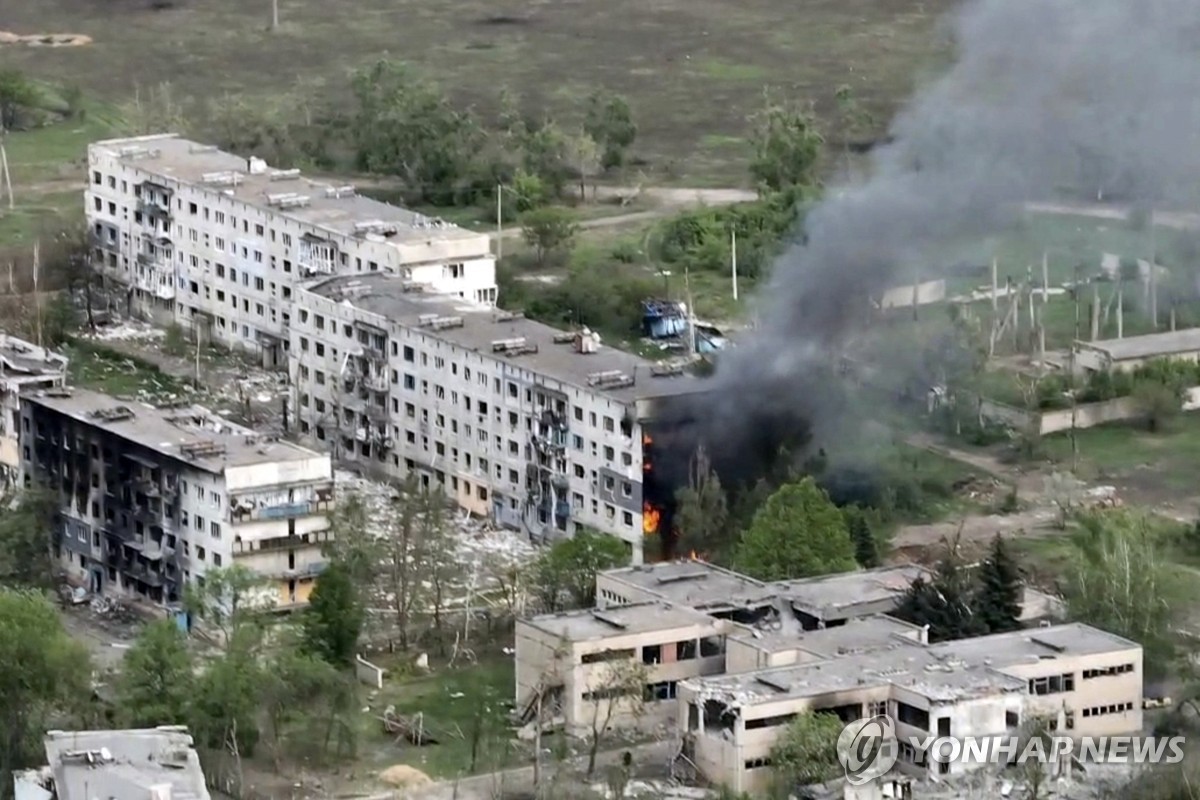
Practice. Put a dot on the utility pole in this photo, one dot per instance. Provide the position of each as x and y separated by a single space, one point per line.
37 297
499 221
196 364
687 288
274 15
1074 388
1153 274
7 174
733 253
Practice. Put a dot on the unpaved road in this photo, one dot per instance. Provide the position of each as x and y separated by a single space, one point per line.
1167 219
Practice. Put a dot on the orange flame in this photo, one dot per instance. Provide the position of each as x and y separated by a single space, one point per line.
646 439
691 555
651 516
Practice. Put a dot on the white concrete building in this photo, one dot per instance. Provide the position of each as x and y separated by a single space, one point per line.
152 498
535 427
217 243
23 366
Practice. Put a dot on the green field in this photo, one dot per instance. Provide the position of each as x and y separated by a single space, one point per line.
693 71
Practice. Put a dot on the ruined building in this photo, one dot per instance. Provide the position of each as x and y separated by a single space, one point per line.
23 366
729 661
152 498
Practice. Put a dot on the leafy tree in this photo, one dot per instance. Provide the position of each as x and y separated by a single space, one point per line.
305 701
797 533
548 155
548 230
233 600
866 549
529 191
584 156
334 617
351 544
227 698
807 752
153 111
438 558
27 523
1120 582
610 124
1158 402
702 514
787 146
619 691
18 94
565 573
1000 589
42 671
854 120
945 603
405 127
157 677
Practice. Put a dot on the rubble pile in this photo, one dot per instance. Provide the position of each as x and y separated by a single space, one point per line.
126 330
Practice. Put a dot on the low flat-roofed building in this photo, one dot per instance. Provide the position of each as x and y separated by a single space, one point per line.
1131 352
152 498
749 649
150 764
1081 678
695 584
568 658
23 367
830 600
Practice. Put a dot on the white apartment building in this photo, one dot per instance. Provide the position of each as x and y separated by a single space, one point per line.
535 427
23 367
217 243
152 498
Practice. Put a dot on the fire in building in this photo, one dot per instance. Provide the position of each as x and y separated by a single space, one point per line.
151 499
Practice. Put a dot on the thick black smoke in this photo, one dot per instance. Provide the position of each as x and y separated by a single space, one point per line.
1092 96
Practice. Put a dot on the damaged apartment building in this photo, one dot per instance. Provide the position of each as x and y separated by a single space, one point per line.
218 243
150 499
24 366
730 660
538 428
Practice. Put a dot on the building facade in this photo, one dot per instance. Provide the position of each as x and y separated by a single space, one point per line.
23 367
538 428
217 243
151 498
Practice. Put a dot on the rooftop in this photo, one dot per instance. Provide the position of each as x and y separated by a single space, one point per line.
91 764
696 584
19 358
856 636
485 329
1148 345
944 672
829 595
191 434
332 207
618 620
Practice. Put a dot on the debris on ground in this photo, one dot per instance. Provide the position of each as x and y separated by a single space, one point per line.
125 330
403 776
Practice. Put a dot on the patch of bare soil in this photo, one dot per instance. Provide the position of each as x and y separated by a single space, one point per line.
44 39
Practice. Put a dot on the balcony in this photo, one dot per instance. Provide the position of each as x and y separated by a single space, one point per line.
153 209
282 511
375 382
374 355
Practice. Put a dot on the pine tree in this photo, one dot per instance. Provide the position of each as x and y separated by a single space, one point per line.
1000 590
866 549
945 603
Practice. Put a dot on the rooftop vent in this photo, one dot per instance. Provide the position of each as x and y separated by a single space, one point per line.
226 178
284 175
683 576
296 201
586 341
377 226
509 316
202 148
442 323
567 337
501 345
666 369
204 449
114 414
340 191
609 379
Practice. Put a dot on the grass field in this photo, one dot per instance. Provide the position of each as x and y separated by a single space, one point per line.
692 69
1167 462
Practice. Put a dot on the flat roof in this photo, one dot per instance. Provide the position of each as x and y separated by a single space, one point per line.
19 357
174 432
856 636
384 294
177 159
612 621
1147 345
696 584
124 763
944 672
830 594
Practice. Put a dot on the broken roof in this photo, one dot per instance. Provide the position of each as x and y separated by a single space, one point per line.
1147 345
19 358
331 207
191 434
856 636
945 672
832 596
696 584
482 327
124 763
612 621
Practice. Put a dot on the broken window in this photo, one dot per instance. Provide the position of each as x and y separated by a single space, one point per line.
607 655
911 715
718 716
652 654
657 692
711 646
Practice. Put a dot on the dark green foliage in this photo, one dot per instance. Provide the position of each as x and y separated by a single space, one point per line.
798 532
806 753
26 534
550 231
610 123
702 513
586 297
334 617
787 146
1000 590
18 95
700 239
156 681
944 603
866 549
564 575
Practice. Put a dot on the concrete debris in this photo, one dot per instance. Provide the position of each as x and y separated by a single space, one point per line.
658 790
126 330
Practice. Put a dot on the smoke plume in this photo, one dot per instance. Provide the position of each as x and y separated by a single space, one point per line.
1090 96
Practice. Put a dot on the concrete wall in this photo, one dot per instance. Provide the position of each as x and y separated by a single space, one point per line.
902 296
1095 692
367 673
1086 415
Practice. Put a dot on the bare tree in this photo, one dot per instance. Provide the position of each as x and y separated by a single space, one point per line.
436 559
619 691
1066 492
400 555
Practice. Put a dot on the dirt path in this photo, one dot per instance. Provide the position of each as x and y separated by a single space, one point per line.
1167 219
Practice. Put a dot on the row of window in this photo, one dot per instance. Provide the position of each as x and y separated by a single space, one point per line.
1053 684
1119 669
1099 711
